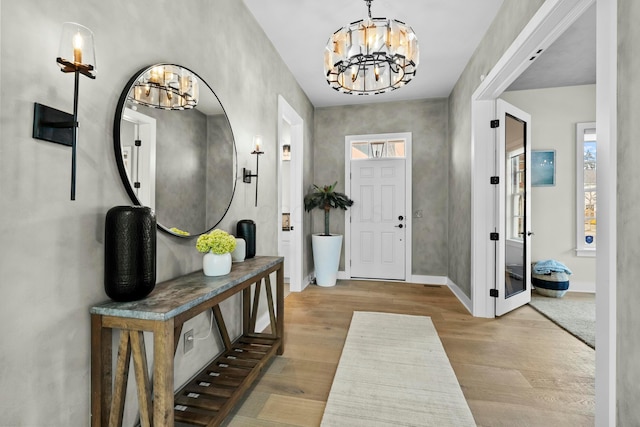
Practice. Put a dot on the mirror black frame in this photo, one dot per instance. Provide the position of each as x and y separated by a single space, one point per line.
117 145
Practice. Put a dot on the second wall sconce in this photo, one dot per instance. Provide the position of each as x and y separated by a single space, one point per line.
76 55
246 173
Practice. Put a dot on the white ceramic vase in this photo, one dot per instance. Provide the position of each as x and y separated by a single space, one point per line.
326 258
240 251
216 265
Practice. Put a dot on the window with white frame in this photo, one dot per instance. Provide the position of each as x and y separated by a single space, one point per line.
375 149
586 194
516 169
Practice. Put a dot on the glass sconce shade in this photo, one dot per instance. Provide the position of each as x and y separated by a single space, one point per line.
257 144
168 87
77 50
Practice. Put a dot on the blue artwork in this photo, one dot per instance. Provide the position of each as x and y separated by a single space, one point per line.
543 168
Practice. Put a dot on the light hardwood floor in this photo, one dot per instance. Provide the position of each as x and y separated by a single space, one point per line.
518 370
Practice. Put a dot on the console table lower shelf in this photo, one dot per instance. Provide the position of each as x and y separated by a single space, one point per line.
217 388
211 395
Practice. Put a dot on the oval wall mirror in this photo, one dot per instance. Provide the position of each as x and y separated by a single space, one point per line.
174 149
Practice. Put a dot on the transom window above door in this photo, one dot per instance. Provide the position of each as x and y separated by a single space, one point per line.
377 149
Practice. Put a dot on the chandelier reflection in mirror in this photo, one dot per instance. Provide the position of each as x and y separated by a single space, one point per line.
167 87
371 56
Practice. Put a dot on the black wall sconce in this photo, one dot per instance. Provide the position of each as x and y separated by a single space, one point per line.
246 173
76 55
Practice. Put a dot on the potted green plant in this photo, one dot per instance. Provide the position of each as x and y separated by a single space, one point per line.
216 247
326 246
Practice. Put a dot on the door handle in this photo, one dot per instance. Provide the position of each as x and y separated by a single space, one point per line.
399 226
400 217
291 228
530 233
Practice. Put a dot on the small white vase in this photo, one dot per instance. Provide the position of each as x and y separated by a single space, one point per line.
216 265
240 251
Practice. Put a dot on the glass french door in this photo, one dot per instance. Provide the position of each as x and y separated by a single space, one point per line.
513 270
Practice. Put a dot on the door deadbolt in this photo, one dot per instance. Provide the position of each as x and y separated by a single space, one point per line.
400 217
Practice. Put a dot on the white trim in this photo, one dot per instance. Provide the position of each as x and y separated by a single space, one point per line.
586 287
606 123
464 299
588 253
407 136
262 322
296 236
146 164
429 280
483 220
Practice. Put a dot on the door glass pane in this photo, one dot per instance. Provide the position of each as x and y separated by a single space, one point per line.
395 148
360 150
515 247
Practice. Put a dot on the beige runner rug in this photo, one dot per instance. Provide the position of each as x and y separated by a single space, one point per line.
394 372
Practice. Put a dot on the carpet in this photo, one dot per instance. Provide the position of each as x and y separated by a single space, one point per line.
576 316
393 371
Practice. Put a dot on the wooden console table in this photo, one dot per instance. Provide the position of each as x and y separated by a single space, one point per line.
210 396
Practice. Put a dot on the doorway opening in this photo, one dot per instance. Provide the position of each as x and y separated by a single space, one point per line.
290 198
553 17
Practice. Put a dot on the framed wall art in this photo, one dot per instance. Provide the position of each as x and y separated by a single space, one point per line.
543 168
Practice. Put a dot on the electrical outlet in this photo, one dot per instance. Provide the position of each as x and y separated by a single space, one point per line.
188 341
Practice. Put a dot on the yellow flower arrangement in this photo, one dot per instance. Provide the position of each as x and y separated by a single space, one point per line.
218 241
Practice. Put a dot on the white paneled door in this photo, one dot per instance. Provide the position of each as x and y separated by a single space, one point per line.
378 219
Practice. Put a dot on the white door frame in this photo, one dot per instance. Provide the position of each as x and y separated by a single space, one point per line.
408 200
146 157
553 17
286 113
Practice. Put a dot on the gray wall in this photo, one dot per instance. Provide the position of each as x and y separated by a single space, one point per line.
427 121
51 255
628 212
510 20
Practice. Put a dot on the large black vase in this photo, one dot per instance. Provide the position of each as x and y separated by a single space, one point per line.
246 229
130 252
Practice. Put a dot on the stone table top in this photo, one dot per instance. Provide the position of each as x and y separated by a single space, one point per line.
175 296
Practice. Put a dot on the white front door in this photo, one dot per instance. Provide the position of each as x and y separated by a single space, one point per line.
513 269
378 219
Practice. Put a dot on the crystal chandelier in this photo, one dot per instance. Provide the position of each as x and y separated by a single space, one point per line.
167 87
373 55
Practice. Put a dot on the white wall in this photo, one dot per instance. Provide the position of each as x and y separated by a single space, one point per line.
554 114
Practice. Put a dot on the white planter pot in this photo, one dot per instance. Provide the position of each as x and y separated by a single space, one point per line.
326 258
216 265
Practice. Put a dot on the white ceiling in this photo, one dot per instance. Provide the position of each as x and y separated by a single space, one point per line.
448 33
569 61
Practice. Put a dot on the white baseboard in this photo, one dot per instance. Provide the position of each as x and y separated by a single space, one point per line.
428 280
421 280
588 287
464 299
262 322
